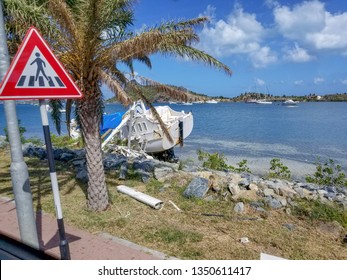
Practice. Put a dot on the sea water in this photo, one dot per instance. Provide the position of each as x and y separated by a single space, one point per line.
302 134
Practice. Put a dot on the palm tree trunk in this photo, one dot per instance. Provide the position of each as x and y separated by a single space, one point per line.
89 113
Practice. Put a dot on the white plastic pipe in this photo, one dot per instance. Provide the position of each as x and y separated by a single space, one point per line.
144 198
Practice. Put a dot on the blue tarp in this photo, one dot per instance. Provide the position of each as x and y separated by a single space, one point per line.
110 121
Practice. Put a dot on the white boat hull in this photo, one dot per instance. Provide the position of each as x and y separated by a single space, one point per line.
147 132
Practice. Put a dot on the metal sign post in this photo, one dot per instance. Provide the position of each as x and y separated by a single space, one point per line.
63 245
19 169
36 73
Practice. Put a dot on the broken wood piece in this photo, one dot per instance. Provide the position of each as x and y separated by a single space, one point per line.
176 207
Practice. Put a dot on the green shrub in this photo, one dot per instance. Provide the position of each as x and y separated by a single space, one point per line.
214 161
242 167
316 210
21 133
65 141
328 173
278 169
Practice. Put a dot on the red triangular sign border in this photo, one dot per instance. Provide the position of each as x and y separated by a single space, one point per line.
8 89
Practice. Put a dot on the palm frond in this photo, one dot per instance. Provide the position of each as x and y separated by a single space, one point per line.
154 112
68 110
56 106
173 92
65 20
115 87
194 54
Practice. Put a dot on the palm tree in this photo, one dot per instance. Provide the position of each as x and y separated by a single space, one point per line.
91 38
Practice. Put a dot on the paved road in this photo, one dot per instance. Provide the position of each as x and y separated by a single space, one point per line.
83 245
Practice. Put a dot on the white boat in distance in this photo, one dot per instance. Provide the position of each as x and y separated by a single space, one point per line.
146 130
290 102
212 101
263 101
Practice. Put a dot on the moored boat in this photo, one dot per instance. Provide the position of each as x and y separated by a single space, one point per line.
263 101
290 102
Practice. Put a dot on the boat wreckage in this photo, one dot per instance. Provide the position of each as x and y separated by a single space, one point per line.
146 132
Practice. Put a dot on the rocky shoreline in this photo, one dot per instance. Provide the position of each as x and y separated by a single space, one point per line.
260 193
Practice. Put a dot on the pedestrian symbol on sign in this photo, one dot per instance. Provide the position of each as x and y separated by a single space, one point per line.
38 73
40 64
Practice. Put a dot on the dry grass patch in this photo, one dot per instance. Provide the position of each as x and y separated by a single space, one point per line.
187 234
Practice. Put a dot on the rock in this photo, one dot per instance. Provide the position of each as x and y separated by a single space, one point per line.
283 201
311 187
145 165
234 189
210 198
303 193
273 203
289 226
275 186
57 153
29 150
268 192
247 195
123 171
255 204
239 207
145 176
66 157
79 162
198 187
244 183
114 161
161 172
287 192
253 187
82 175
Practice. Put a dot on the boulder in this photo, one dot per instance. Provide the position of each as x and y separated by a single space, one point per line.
273 203
162 171
234 189
239 207
198 187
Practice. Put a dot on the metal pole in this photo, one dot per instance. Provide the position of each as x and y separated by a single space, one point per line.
63 245
19 169
130 127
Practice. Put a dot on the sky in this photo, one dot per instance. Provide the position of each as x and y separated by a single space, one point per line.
283 47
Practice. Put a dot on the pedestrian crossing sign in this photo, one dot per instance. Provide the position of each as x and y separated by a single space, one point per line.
36 73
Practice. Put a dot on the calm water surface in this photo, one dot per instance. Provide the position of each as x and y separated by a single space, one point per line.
302 133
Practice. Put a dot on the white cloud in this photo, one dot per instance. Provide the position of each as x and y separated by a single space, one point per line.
262 57
298 54
344 81
239 33
310 24
299 82
318 80
259 82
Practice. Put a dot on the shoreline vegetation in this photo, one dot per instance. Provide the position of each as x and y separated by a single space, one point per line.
157 97
219 205
244 97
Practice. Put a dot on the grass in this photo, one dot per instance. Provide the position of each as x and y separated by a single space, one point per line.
187 234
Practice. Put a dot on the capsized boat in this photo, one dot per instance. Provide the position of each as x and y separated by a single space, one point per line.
140 125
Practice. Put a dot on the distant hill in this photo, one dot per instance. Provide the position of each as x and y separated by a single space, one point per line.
156 96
